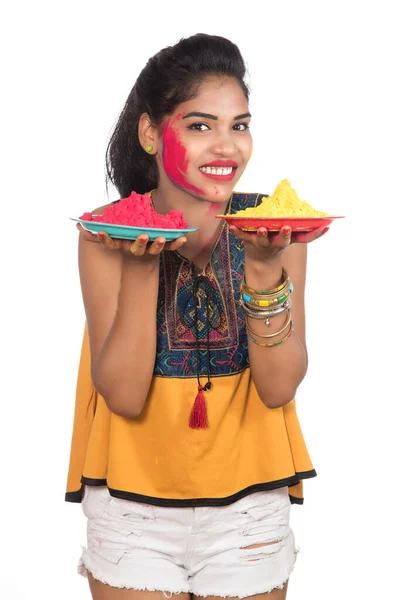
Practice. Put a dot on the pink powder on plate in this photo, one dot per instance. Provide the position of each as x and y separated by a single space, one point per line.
137 211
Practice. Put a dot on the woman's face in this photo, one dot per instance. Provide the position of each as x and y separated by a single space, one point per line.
206 142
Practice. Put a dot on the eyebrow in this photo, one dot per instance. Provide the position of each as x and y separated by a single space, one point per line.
213 117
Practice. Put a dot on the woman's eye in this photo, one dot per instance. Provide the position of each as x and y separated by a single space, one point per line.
241 126
198 127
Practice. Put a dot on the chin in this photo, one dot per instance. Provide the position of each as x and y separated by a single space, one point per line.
218 194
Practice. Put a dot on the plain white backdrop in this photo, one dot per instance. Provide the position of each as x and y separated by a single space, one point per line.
325 100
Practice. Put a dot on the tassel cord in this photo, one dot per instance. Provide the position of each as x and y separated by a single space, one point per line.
197 280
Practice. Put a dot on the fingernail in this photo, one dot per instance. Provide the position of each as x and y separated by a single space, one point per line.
286 230
184 240
143 238
102 236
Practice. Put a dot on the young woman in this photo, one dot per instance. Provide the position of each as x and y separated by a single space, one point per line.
186 449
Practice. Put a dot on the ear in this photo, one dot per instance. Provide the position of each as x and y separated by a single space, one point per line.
148 134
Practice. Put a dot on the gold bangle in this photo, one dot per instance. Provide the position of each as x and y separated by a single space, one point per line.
265 299
271 294
287 336
284 281
270 335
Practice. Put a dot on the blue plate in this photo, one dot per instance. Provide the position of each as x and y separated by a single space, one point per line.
126 232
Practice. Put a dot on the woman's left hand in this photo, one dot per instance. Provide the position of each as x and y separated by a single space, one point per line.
262 244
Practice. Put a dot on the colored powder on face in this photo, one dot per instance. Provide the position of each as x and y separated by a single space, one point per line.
137 211
174 156
284 202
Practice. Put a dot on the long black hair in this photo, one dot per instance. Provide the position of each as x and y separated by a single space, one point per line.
170 77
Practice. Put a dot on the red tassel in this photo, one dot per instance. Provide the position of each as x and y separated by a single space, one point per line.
198 417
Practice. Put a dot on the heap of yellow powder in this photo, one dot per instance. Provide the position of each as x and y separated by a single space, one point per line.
284 202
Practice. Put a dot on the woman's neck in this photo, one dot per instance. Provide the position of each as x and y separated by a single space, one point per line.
198 213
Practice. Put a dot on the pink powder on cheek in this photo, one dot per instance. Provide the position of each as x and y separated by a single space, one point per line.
174 156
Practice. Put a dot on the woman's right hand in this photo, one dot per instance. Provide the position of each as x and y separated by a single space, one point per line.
138 247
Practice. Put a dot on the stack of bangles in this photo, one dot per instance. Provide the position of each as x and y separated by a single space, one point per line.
265 304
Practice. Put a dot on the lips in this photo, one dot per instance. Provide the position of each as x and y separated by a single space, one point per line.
220 170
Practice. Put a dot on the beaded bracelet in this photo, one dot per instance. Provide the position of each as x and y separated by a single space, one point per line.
287 324
287 336
273 302
264 299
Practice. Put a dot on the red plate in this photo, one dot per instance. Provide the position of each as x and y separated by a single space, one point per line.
276 223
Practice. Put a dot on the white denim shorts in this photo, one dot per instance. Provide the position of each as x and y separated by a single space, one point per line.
202 551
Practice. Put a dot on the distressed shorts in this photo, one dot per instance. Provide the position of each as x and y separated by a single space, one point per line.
202 551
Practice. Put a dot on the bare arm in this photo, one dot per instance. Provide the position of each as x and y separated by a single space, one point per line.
277 372
120 298
119 280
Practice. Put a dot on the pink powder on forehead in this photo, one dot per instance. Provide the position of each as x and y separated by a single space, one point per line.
137 211
174 155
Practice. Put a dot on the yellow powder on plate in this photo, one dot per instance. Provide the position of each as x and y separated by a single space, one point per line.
284 202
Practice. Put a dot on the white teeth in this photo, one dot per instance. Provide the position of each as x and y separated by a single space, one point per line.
217 170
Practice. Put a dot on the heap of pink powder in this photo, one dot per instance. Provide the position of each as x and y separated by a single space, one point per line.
137 211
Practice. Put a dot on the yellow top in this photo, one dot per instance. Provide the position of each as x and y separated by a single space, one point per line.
158 458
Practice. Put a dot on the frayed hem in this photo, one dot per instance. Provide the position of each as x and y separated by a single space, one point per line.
246 594
84 570
253 592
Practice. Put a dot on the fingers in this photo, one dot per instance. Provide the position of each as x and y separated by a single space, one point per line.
139 246
109 242
309 236
142 244
263 237
101 237
245 236
176 244
283 238
157 246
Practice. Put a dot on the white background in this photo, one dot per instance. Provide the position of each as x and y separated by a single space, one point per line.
325 100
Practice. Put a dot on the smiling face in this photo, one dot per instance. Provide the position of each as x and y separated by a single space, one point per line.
206 142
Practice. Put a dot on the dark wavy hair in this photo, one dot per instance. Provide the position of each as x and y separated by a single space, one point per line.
170 77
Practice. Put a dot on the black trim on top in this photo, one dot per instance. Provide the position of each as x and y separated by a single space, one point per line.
78 495
90 481
294 500
170 502
74 496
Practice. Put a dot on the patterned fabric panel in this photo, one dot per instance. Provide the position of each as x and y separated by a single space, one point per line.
220 346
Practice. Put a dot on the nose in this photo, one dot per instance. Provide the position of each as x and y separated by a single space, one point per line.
224 144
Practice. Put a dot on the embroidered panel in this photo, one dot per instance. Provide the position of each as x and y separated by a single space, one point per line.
200 324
